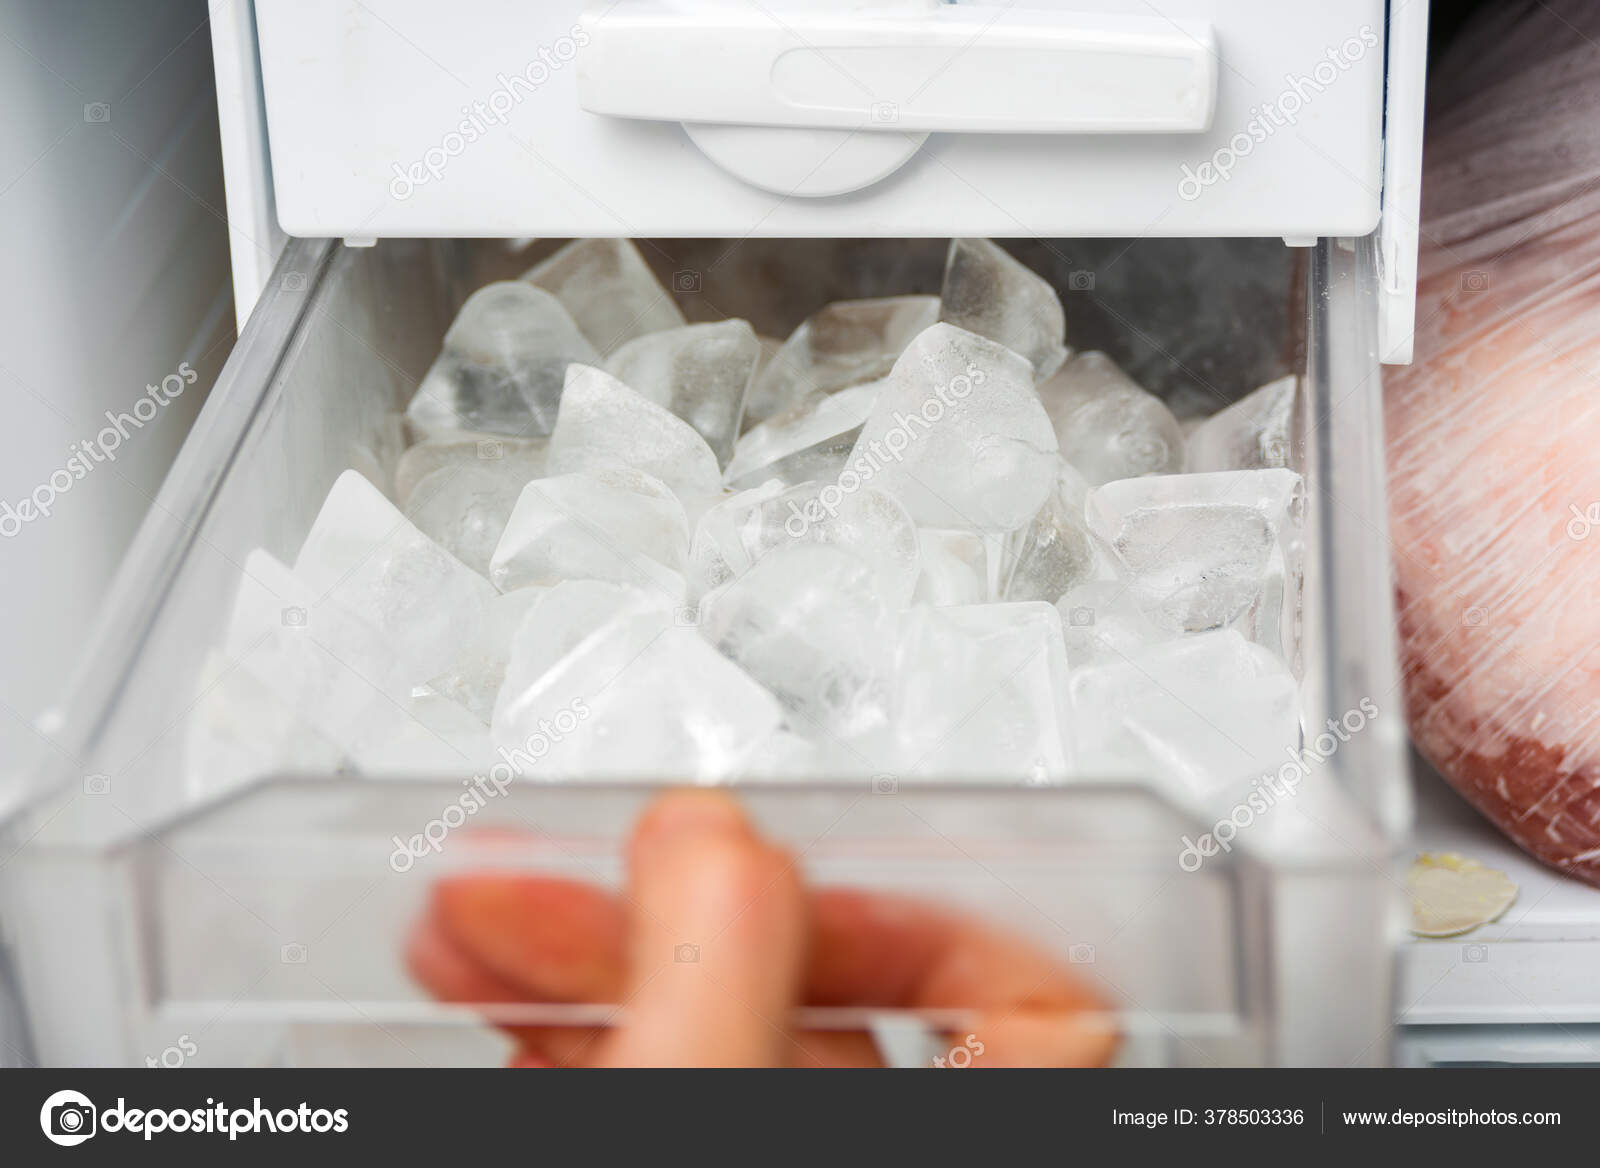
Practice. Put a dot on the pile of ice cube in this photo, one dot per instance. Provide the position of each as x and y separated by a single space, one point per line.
920 538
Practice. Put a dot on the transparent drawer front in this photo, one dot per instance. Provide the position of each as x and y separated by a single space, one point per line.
265 913
275 925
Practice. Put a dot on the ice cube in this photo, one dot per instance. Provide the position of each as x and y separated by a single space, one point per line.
522 458
1103 623
954 567
846 343
1205 713
241 730
1055 552
436 738
700 372
867 522
784 755
983 693
563 617
327 665
724 535
1255 432
365 555
989 293
605 424
1109 428
464 510
502 366
640 700
338 676
770 348
609 290
809 622
607 524
587 626
811 441
958 435
1270 621
1197 547
1218 658
474 680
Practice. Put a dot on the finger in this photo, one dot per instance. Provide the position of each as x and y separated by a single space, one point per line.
487 939
553 940
1027 1008
452 975
716 940
834 1048
884 950
1042 1037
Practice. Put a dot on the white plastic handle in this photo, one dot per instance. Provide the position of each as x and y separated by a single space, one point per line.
958 67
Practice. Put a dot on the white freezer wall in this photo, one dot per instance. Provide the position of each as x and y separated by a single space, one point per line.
114 249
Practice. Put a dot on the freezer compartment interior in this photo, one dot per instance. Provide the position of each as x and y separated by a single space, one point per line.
265 912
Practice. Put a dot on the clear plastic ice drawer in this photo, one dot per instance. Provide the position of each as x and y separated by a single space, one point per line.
262 920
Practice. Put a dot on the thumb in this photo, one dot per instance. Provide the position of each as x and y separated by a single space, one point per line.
716 940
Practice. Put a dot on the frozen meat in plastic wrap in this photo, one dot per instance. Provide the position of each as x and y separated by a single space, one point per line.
1494 432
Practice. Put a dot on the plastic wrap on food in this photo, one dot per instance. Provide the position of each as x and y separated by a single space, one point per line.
1494 432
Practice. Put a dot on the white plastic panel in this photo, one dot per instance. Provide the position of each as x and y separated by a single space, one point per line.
1533 970
1402 181
966 67
254 238
414 118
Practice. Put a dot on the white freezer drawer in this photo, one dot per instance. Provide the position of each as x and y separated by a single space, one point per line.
1203 117
268 924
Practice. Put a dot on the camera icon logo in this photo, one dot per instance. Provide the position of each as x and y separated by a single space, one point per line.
97 784
97 112
1080 281
1081 617
686 954
884 112
1474 954
294 617
1474 281
1080 954
686 281
490 450
885 784
686 615
292 954
1475 616
68 1118
294 281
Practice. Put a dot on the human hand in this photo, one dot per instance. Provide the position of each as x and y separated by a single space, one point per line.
699 875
